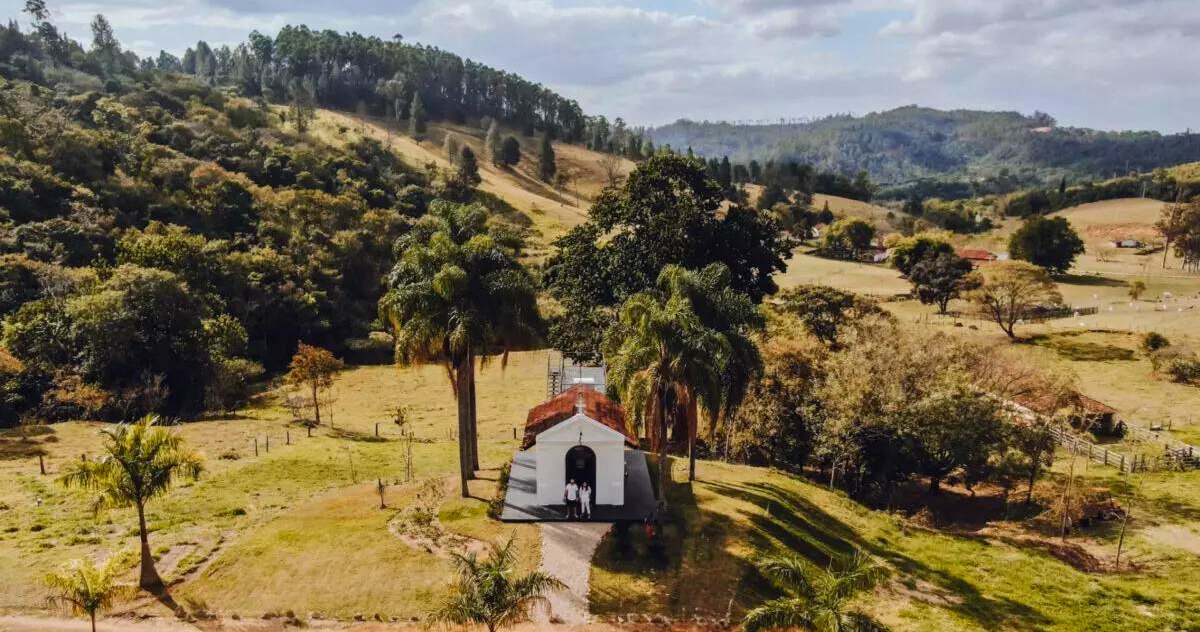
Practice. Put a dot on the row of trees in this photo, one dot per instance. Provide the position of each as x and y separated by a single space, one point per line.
386 78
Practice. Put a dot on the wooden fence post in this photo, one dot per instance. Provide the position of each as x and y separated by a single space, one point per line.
268 437
255 446
287 436
41 465
377 429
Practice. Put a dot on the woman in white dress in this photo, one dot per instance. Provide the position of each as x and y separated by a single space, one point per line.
585 500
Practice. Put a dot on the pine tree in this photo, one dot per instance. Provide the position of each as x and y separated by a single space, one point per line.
416 117
510 151
546 166
491 144
468 167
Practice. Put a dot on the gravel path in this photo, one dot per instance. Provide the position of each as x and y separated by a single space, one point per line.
567 549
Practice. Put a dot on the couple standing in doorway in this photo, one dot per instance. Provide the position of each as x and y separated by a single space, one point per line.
578 499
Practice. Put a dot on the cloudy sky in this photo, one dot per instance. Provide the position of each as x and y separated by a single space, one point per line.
1112 64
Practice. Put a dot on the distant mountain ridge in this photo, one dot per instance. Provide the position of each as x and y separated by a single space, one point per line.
912 142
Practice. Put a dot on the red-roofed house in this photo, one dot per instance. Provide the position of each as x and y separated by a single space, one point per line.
977 256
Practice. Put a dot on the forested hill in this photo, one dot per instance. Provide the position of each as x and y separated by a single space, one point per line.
356 72
912 142
164 241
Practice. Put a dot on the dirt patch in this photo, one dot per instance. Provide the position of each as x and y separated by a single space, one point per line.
1175 535
441 544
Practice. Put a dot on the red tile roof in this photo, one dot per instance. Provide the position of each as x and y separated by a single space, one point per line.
562 407
976 254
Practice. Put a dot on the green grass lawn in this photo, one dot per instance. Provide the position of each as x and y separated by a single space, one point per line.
979 580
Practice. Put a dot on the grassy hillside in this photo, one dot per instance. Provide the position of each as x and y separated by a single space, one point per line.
291 529
550 211
966 575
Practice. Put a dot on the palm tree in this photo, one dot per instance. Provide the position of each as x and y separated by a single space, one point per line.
487 591
816 600
141 462
86 589
734 317
459 292
660 355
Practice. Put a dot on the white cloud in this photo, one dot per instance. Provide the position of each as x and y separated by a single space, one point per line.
1107 63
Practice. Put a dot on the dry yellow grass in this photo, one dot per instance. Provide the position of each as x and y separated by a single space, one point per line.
242 507
864 278
552 211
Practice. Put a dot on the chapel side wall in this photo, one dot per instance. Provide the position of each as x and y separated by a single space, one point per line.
610 475
551 471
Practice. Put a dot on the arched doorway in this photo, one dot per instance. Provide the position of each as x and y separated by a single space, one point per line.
581 466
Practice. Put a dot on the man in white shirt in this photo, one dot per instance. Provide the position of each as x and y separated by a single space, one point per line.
571 495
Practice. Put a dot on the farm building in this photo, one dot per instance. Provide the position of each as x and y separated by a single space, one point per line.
578 435
977 256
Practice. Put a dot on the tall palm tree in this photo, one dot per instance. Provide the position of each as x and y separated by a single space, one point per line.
140 463
487 591
660 354
817 600
735 318
459 292
86 589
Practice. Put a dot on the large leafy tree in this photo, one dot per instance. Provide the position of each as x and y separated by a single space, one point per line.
1012 291
660 356
814 599
939 279
910 251
1049 242
457 293
141 462
1180 227
825 311
668 211
490 592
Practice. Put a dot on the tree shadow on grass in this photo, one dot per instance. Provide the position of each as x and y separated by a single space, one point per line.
1089 279
354 435
26 443
802 527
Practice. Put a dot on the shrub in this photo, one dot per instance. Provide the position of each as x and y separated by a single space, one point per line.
1153 341
496 504
1179 364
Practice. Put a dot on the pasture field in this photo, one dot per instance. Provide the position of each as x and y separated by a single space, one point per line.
287 529
1100 349
300 528
981 573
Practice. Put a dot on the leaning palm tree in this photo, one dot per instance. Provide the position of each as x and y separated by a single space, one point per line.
816 600
140 463
459 292
660 354
488 592
86 589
